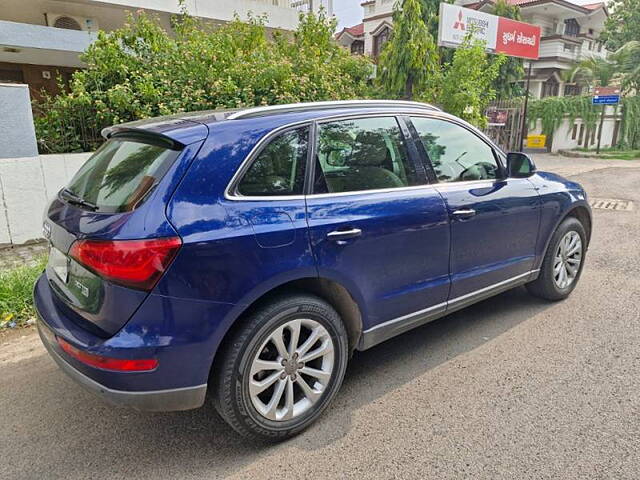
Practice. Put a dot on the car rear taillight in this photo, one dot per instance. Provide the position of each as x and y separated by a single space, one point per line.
132 263
107 363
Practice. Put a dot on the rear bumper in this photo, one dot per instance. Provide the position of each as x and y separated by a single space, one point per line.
169 387
155 401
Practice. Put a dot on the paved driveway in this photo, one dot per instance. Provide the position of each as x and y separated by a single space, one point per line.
511 388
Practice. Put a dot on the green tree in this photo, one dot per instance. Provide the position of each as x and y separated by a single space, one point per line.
511 70
623 23
628 60
141 71
431 17
409 64
467 86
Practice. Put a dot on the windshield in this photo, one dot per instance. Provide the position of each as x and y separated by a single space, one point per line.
119 176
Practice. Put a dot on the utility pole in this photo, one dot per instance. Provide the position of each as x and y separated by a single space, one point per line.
604 108
523 124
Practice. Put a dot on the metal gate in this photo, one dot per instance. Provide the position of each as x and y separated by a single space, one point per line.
505 122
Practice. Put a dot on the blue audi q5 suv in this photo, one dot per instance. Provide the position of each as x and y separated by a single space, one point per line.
246 254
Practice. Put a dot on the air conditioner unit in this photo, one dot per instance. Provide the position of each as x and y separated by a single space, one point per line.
71 22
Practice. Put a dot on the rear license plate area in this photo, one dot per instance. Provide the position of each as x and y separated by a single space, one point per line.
59 263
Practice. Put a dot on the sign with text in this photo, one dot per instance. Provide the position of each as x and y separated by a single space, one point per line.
605 100
502 35
597 91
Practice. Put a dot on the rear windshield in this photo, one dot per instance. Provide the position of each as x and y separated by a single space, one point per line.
119 175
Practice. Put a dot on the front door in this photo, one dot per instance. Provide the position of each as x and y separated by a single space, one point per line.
494 220
375 225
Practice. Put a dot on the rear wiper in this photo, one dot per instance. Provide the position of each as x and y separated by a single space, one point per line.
74 199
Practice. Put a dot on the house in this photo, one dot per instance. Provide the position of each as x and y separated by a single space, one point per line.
369 36
41 40
569 34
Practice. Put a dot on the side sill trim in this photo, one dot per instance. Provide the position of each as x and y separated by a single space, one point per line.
396 326
185 398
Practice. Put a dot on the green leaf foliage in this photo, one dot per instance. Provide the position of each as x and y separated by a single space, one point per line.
467 85
141 71
623 23
409 65
553 110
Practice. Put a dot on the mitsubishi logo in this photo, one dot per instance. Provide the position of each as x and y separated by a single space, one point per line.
459 25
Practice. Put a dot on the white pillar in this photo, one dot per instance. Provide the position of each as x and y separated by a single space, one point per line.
17 134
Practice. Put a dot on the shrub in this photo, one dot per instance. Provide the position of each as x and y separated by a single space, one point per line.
141 71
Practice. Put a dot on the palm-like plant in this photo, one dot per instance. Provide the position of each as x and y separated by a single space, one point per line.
628 60
595 71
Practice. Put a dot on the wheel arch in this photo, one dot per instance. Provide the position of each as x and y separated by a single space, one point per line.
329 290
582 212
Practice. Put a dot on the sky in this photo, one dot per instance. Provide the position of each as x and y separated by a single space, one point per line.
348 12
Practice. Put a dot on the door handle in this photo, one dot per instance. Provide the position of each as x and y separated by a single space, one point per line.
464 212
344 234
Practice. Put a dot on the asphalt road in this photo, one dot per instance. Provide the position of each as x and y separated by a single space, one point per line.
511 388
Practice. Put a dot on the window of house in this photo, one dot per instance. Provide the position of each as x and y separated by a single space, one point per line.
550 88
379 40
279 167
574 131
357 47
572 90
362 154
569 47
455 153
11 76
571 27
581 136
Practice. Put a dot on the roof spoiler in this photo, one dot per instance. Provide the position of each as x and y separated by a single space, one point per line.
143 135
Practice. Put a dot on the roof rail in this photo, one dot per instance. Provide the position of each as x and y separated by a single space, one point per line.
292 107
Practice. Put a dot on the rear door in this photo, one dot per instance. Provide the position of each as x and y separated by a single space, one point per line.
375 224
494 220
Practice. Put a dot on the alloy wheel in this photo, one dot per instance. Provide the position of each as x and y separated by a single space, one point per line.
566 263
291 370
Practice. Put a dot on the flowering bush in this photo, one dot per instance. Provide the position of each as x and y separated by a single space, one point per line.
141 71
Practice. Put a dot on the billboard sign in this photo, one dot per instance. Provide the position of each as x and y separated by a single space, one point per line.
502 35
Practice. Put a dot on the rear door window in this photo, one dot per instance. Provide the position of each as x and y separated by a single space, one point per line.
362 154
120 175
279 168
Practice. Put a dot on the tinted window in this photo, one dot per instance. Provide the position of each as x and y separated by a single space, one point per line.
279 168
120 174
362 154
455 153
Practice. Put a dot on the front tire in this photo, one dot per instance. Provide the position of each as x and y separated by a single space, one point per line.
282 368
562 264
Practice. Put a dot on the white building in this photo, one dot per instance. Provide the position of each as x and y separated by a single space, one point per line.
569 34
42 39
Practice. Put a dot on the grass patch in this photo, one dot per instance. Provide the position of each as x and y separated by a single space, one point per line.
612 153
16 288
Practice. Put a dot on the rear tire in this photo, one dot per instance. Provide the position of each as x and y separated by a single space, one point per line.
562 264
297 346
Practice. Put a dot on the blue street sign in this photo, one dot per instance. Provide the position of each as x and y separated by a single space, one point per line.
606 100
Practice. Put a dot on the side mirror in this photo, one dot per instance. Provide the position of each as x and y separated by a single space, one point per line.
519 165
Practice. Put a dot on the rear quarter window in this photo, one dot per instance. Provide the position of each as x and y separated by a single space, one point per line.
120 175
